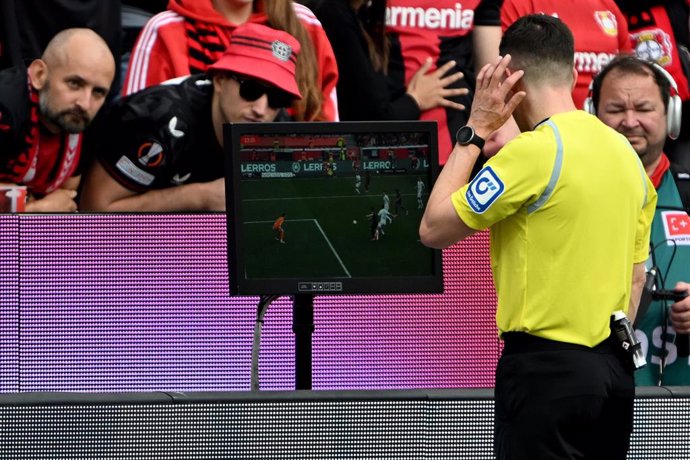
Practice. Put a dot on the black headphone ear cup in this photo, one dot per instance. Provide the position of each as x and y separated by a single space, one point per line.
674 116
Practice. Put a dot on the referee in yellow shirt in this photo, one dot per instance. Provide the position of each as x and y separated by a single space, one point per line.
570 207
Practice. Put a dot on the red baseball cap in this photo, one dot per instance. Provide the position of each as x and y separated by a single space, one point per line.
262 53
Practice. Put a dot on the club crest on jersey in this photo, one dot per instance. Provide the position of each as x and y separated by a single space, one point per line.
653 45
483 190
607 22
150 154
676 228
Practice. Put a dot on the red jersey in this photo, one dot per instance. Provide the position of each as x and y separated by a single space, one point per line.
598 26
440 29
191 35
57 161
653 38
29 155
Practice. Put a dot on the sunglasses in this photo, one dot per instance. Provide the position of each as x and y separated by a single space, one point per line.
251 90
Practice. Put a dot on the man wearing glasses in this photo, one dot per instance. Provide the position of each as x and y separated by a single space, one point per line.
162 149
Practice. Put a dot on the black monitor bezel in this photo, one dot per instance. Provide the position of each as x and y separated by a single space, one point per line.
239 285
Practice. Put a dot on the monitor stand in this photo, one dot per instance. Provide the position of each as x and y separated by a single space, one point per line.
303 327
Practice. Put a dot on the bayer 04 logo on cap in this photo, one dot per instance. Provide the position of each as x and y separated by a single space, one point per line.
281 50
484 189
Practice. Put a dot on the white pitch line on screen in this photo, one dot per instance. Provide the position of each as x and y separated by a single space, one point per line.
335 253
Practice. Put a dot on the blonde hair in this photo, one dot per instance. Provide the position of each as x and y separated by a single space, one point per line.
281 15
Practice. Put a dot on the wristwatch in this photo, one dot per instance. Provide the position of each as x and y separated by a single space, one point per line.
467 136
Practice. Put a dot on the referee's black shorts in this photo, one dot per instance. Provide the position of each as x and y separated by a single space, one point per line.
557 400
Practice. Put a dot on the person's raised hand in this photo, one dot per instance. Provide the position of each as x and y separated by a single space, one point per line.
494 98
431 89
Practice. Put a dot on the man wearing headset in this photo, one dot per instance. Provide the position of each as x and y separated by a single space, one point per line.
639 100
162 149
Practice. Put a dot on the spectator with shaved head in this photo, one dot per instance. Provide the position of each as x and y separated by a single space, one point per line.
43 112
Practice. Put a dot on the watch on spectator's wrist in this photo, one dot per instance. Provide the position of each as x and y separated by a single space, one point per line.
467 136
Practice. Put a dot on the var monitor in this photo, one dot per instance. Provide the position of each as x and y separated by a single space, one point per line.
330 207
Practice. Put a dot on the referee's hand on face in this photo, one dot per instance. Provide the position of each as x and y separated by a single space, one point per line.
494 98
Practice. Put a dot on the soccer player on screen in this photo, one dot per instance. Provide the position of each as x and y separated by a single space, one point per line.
374 219
278 231
385 217
420 191
358 180
398 203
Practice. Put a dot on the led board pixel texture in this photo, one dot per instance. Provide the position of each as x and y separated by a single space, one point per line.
396 425
141 303
9 301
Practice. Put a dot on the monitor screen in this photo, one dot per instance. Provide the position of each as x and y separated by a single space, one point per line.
330 207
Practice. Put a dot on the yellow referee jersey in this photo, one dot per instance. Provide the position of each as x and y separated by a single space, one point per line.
570 208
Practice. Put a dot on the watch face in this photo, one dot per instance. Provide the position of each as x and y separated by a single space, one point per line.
465 134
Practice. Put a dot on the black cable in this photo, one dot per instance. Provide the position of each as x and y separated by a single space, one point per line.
662 278
664 311
662 284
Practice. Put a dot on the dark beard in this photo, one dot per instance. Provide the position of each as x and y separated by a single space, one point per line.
72 121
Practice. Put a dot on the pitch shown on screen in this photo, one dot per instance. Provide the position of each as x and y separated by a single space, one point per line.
329 208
